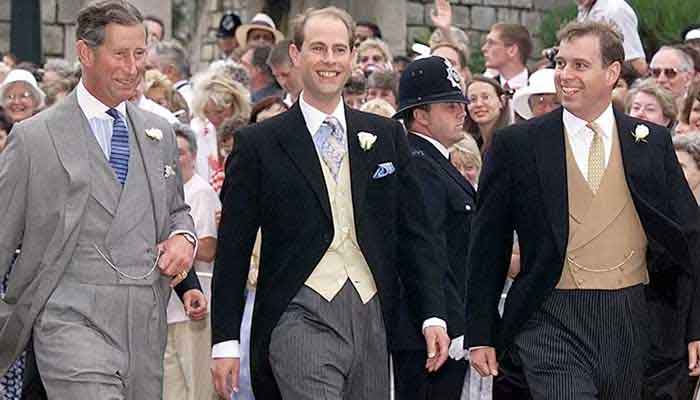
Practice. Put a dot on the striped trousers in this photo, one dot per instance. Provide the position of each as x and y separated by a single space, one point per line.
586 345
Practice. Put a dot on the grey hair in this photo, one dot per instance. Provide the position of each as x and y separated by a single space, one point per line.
61 66
687 63
174 53
663 96
184 131
690 143
94 17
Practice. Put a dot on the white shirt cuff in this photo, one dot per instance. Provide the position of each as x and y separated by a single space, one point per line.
434 322
196 240
228 349
478 347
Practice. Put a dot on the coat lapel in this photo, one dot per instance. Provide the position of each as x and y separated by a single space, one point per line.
444 163
295 139
152 156
69 136
635 155
360 160
550 158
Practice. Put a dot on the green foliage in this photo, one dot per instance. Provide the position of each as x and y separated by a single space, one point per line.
476 61
661 21
553 21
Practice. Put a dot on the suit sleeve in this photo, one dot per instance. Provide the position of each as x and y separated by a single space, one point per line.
15 168
490 246
421 265
686 213
239 224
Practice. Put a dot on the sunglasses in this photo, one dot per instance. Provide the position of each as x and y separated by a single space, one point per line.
669 72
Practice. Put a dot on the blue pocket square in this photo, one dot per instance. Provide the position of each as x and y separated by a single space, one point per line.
383 170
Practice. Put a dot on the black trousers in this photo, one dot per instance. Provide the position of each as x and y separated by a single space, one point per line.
413 382
586 345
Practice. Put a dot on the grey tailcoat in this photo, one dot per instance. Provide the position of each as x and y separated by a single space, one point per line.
44 187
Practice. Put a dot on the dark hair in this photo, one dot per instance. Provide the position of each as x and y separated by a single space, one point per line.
229 128
264 104
408 117
515 34
356 84
5 122
687 106
280 53
376 32
609 38
382 79
93 18
334 12
629 74
470 126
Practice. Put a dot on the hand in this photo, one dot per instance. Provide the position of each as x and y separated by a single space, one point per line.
484 361
176 256
441 15
195 304
224 372
438 344
694 358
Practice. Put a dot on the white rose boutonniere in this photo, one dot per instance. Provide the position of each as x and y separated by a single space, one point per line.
640 133
169 171
154 133
366 140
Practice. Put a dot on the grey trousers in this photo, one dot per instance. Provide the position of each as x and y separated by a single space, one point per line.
101 342
331 350
586 345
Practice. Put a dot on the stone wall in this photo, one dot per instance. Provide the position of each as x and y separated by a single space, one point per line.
58 23
477 16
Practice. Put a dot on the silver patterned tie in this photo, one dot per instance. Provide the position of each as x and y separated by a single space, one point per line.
330 143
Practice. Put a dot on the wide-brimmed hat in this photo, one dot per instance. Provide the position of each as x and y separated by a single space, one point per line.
22 75
541 82
260 21
426 81
227 26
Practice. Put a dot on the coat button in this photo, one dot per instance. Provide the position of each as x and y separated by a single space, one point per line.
468 207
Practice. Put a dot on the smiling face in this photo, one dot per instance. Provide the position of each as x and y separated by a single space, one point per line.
113 70
484 105
583 83
324 60
647 107
19 102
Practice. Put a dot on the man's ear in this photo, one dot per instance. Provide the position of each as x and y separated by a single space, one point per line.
294 54
84 52
612 73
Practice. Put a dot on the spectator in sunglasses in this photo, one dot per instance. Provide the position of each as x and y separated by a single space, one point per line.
673 70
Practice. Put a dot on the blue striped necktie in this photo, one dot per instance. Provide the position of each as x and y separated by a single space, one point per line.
119 154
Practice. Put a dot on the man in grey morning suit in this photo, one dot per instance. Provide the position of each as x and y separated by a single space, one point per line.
91 190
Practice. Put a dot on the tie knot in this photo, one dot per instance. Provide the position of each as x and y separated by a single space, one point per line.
595 128
334 125
112 112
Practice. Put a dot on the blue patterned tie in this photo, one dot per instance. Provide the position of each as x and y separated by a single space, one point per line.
330 142
119 155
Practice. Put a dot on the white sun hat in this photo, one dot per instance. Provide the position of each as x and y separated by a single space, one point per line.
541 82
22 75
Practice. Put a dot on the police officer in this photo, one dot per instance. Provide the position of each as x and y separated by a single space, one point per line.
226 35
432 106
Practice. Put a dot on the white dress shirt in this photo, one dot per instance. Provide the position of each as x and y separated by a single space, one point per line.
516 82
184 87
149 105
96 114
623 17
442 149
580 136
313 118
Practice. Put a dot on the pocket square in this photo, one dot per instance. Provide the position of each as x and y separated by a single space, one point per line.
383 170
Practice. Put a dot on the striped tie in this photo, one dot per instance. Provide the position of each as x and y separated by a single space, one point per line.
596 158
119 155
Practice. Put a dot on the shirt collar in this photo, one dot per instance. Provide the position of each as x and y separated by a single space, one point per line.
605 121
442 149
92 107
315 117
516 82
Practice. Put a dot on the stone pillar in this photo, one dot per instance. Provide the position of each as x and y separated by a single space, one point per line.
159 8
26 37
